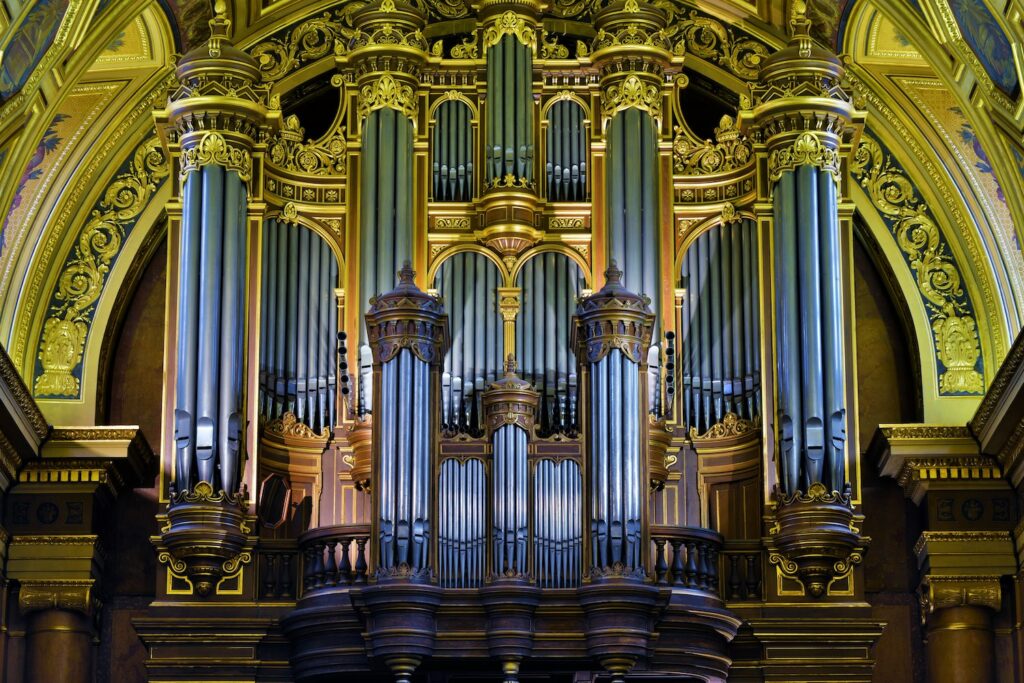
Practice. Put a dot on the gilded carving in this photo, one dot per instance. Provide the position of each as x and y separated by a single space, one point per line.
309 41
68 594
81 282
290 426
807 150
388 34
565 223
709 39
941 592
629 93
630 34
731 426
451 223
469 48
324 157
509 24
387 92
214 149
552 49
729 151
938 280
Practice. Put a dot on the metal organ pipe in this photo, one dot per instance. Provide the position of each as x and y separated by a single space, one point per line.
453 153
617 421
719 326
407 330
188 331
302 318
566 166
509 148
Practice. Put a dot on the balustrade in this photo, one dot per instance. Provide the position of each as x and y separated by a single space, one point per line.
334 556
687 557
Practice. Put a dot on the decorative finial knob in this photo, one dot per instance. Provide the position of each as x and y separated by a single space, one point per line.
613 276
510 364
406 275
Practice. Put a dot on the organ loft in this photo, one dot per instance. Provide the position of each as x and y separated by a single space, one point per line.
540 341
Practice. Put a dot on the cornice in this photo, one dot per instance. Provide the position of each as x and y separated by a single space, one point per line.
999 421
21 422
101 458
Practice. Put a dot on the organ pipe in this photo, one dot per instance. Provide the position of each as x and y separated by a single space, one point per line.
408 335
468 282
550 284
566 165
208 418
298 276
509 149
719 331
809 313
452 154
612 335
385 200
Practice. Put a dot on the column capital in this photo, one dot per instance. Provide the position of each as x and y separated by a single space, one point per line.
518 18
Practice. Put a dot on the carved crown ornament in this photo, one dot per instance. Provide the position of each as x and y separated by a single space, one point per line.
807 150
730 151
388 91
407 318
633 91
510 401
612 318
324 157
732 426
509 23
215 149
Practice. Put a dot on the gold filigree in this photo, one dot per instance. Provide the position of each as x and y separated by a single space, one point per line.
938 280
324 157
309 41
729 151
289 425
630 34
214 149
511 181
451 223
389 34
386 91
509 24
731 426
808 150
449 9
66 594
709 39
469 48
552 49
81 282
565 223
632 92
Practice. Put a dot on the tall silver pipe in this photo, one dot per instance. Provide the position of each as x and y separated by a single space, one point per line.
810 324
229 418
209 322
188 331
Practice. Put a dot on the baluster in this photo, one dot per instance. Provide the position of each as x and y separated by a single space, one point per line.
677 561
309 568
660 565
734 578
332 564
269 565
361 559
712 569
318 576
753 584
286 576
691 565
345 572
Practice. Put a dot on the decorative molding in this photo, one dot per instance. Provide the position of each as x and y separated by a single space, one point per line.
81 282
730 427
954 330
324 157
729 151
631 92
74 595
509 24
288 425
326 35
386 91
808 150
214 149
704 36
941 592
469 48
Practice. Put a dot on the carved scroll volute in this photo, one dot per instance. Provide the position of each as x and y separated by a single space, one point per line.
407 318
612 318
510 401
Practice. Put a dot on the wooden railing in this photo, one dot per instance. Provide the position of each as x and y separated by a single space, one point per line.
334 556
686 557
742 571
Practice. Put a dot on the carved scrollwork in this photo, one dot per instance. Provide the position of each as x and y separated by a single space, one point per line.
729 151
630 34
469 48
289 425
731 426
214 149
323 157
706 37
808 150
550 48
509 24
954 329
311 40
388 34
386 91
85 272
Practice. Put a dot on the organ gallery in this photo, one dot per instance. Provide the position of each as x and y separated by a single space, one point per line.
512 340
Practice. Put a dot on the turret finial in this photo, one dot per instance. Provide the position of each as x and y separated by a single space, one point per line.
613 276
406 275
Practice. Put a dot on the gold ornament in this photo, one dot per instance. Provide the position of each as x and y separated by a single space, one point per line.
808 150
386 91
632 92
730 151
214 149
81 282
509 24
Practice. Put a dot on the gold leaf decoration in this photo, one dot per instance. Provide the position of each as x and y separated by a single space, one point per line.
309 41
807 150
289 425
85 272
729 151
632 92
552 49
214 149
386 91
467 49
731 426
938 280
324 157
706 37
509 24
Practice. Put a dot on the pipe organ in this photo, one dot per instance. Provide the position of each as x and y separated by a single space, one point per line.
522 456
